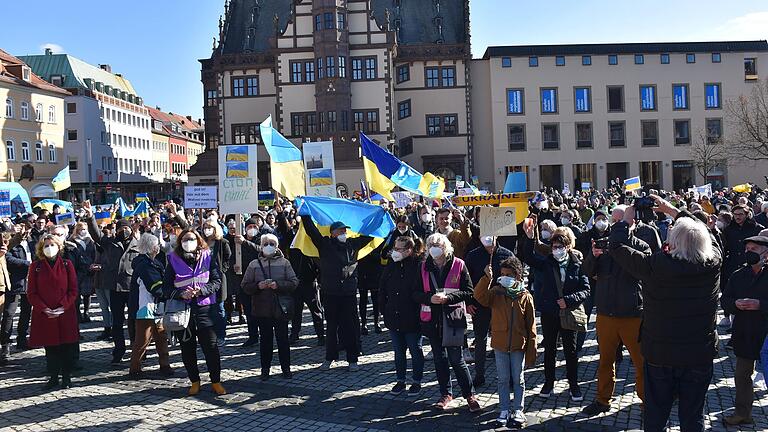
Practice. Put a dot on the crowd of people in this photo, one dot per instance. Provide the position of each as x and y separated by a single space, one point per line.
654 268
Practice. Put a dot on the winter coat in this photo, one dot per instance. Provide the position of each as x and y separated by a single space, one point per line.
146 287
277 268
18 267
679 303
434 328
221 252
53 286
513 321
734 245
125 267
749 327
85 255
398 281
204 316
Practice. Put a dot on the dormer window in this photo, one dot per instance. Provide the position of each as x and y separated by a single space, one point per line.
26 73
57 80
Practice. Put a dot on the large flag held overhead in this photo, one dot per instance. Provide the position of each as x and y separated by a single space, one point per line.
48 204
363 220
384 171
62 180
286 164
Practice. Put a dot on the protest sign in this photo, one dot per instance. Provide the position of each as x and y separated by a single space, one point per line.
200 197
498 221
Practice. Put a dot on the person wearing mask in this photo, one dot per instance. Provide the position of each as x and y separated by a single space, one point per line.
445 286
402 228
741 227
193 275
460 237
399 279
563 286
52 293
745 296
249 247
584 243
423 225
145 297
221 252
567 220
270 281
84 254
619 300
18 259
476 261
338 284
513 334
680 299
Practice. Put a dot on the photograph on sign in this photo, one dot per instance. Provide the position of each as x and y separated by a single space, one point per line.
237 179
498 221
321 174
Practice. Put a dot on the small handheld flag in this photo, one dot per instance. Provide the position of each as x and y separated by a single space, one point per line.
62 180
632 184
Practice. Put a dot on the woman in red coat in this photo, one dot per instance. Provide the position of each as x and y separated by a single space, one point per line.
52 291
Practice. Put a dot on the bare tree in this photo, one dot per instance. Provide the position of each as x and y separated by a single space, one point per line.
748 123
708 151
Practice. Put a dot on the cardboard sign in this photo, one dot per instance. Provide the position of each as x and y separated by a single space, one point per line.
238 181
320 168
201 197
492 199
465 191
501 221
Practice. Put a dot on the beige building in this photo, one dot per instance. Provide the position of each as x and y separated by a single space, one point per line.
31 127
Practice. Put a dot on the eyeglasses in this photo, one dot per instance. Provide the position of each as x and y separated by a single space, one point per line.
403 249
269 244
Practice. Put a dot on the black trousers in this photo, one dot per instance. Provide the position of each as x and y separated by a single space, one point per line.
664 384
550 326
341 313
279 328
481 324
118 303
306 294
59 359
253 328
363 290
12 303
207 337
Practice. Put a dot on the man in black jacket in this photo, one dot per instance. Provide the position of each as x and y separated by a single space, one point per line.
254 229
338 288
741 227
619 301
18 260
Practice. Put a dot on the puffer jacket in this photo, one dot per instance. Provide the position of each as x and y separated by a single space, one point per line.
513 321
277 268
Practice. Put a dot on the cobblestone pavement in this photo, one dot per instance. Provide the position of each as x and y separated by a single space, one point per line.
314 400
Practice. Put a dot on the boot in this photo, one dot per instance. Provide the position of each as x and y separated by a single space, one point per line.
218 389
66 382
52 383
194 389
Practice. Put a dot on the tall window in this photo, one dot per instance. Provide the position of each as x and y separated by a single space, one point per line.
342 20
358 120
616 134
9 108
311 123
403 73
516 137
450 127
448 76
309 71
328 20
582 99
549 101
647 98
330 67
714 131
682 132
211 97
25 152
39 113
318 22
10 150
404 109
370 68
432 77
342 67
680 96
25 111
39 155
331 121
357 69
750 69
434 125
615 99
238 87
297 124
252 85
515 101
247 133
296 71
650 132
712 96
550 136
583 135
372 121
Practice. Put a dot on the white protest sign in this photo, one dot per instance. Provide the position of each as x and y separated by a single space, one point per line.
465 191
320 168
201 197
402 199
238 181
498 221
566 189
586 185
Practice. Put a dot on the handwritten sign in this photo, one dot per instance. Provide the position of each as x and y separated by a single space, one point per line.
402 199
501 221
5 203
238 183
201 197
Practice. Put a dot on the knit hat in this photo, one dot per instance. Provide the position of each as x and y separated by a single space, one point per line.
252 221
123 223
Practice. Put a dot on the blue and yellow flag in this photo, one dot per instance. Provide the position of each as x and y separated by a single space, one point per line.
632 184
237 153
142 197
237 169
48 204
363 220
104 217
62 180
287 166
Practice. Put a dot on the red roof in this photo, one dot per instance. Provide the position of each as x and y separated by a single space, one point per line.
34 80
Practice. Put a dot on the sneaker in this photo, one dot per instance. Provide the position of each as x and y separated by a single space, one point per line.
468 357
519 419
398 388
502 419
353 367
444 402
546 390
576 394
326 365
595 408
414 389
474 405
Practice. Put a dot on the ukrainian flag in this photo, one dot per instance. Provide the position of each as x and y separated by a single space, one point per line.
62 180
65 219
48 204
632 184
142 197
103 217
363 220
322 177
237 169
286 164
237 154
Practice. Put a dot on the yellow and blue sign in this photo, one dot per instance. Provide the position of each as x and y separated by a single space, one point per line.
632 184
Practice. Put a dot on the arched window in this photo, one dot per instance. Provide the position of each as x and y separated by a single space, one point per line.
39 113
25 110
10 150
51 114
51 152
9 108
39 155
25 151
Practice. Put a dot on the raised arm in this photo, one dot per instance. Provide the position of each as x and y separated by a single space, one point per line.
312 231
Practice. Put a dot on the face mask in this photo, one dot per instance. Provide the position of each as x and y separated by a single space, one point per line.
51 251
402 231
559 254
601 225
189 246
208 232
426 218
397 256
213 218
487 241
172 238
82 234
543 205
753 258
545 235
506 281
720 225
269 250
342 238
435 252
565 221
252 232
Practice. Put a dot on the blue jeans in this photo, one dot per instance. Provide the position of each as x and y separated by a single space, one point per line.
220 322
447 358
764 359
510 365
411 341
663 384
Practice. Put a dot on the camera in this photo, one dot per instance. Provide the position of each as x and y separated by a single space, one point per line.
602 243
644 208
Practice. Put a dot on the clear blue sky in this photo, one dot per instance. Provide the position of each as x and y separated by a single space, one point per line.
156 44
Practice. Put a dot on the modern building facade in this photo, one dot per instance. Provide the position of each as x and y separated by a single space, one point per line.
31 128
401 71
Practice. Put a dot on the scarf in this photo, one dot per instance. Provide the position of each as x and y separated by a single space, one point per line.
515 291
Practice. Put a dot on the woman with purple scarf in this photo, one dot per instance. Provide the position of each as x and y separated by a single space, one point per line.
192 276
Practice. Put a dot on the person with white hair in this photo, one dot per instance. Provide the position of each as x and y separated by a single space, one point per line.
681 286
143 300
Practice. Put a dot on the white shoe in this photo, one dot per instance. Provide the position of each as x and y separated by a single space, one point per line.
326 365
725 322
502 419
354 367
519 418
759 381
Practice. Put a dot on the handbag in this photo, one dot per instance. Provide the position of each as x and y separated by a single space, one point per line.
574 319
283 306
176 315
